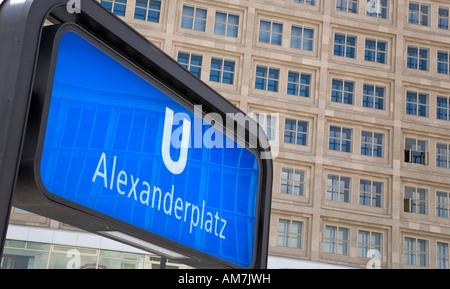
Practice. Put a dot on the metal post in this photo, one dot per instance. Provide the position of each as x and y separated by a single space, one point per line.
15 87
163 262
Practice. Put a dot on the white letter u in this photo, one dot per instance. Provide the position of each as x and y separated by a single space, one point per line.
177 167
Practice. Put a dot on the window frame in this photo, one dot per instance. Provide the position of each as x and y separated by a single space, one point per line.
371 245
349 4
148 9
378 6
415 106
443 64
297 87
340 139
271 32
188 66
289 235
333 243
339 193
417 204
292 182
373 144
373 100
301 38
376 51
271 130
222 71
419 14
339 92
442 206
227 24
416 144
415 252
267 79
113 6
305 2
445 156
416 61
345 50
372 196
194 17
443 110
443 22
442 257
304 134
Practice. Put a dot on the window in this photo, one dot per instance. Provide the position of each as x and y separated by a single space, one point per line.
376 51
442 155
307 2
36 255
374 96
118 7
371 193
299 84
337 240
417 103
290 234
418 58
369 241
416 151
341 139
268 122
222 70
270 32
378 8
345 45
192 62
149 10
419 13
416 252
372 144
443 62
267 78
194 18
293 181
302 38
226 24
347 5
296 132
443 18
339 188
342 91
443 108
442 255
416 200
442 204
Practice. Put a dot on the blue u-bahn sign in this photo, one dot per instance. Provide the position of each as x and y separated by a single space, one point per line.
109 146
124 142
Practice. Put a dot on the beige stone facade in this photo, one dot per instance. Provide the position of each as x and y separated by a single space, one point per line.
350 196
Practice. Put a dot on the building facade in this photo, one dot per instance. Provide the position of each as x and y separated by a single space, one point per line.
355 97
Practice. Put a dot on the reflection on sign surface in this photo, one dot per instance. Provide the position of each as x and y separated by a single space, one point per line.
104 150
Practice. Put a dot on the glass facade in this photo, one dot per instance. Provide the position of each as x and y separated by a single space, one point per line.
33 255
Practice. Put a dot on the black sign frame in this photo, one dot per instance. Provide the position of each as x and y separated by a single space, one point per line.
21 26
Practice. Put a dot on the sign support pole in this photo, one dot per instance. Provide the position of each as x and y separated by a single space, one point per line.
15 87
20 27
163 262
